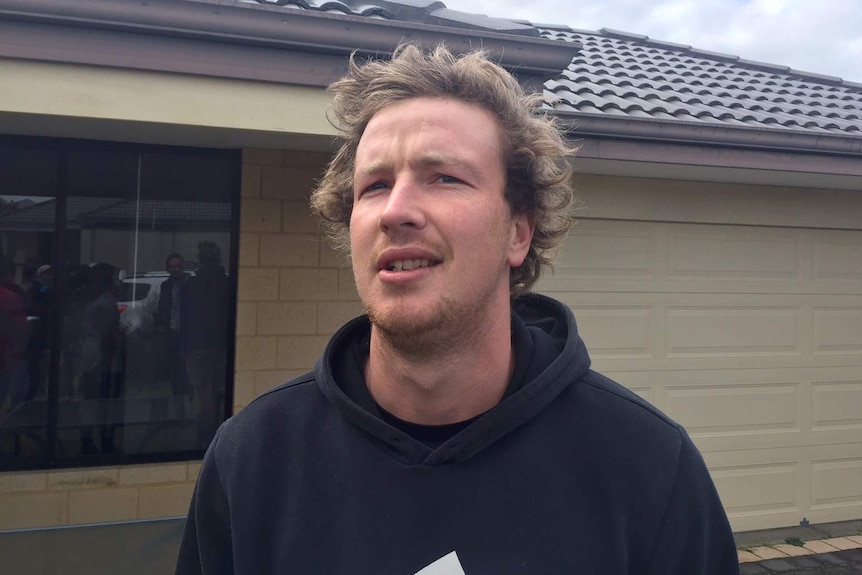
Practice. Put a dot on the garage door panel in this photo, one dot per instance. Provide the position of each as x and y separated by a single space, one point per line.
607 250
733 254
564 281
769 487
622 332
629 367
772 439
836 405
836 483
837 255
607 255
707 330
718 300
754 489
749 409
837 330
732 410
733 332
751 337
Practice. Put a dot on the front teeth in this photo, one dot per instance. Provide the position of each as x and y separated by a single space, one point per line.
408 265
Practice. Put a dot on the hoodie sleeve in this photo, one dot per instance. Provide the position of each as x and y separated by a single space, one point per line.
695 536
206 547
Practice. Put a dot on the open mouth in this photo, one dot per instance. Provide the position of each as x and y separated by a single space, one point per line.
404 265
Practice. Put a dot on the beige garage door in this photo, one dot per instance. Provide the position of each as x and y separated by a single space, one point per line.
751 337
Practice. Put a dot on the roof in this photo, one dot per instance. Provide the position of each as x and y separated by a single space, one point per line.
415 11
606 85
298 42
620 74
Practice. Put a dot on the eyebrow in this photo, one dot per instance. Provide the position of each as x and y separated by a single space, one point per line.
426 160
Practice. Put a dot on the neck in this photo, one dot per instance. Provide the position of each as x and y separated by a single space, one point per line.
447 383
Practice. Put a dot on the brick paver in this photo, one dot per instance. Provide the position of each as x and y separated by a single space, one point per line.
747 556
767 552
820 547
793 550
830 556
842 543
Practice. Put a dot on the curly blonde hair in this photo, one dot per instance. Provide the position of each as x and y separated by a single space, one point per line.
535 151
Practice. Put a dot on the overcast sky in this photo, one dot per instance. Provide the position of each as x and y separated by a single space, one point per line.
822 36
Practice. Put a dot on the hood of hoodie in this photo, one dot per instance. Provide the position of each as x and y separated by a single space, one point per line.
551 324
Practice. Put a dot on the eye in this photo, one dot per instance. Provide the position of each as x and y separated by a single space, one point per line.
447 179
379 185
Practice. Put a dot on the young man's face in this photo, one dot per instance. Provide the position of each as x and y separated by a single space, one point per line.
432 236
175 267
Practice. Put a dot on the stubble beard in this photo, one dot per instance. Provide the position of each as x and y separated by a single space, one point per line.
451 327
416 338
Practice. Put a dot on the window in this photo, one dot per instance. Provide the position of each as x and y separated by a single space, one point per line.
117 300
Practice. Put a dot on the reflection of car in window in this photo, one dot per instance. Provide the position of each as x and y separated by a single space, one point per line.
137 301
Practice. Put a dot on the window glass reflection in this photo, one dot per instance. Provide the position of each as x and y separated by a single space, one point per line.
114 340
27 299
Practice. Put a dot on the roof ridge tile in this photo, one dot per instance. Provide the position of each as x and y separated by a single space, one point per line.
622 35
815 76
665 44
716 55
765 66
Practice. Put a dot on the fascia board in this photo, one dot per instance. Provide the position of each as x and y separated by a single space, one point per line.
303 31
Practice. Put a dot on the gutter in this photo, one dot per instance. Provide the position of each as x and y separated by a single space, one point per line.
681 132
243 25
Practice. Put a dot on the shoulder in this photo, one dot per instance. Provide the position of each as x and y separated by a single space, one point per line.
616 396
288 395
619 423
272 430
281 407
654 471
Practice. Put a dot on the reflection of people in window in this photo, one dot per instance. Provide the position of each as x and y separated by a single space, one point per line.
39 301
98 346
13 336
168 320
204 338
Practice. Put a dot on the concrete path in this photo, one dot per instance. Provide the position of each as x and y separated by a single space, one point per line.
825 549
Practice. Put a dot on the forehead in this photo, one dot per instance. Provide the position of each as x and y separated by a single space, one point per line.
431 120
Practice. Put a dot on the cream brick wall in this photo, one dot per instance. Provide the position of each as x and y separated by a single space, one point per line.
95 495
294 291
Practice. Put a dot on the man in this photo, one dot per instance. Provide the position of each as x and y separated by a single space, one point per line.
99 353
167 319
39 304
457 427
204 340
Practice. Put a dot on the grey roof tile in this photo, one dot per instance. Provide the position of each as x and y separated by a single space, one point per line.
623 74
692 85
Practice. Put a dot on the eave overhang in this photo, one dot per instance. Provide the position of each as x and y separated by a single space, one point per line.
679 132
232 39
661 148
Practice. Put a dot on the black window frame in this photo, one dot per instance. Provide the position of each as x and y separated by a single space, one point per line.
64 147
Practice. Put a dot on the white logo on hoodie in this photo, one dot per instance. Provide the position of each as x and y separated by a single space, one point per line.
446 565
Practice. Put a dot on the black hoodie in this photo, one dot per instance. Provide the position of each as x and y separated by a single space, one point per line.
569 473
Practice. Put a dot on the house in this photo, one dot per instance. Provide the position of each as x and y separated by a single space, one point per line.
715 267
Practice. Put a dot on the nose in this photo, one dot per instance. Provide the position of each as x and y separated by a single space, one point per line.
404 207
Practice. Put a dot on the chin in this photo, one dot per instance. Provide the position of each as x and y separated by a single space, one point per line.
400 322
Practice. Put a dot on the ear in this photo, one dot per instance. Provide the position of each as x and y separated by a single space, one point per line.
523 226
